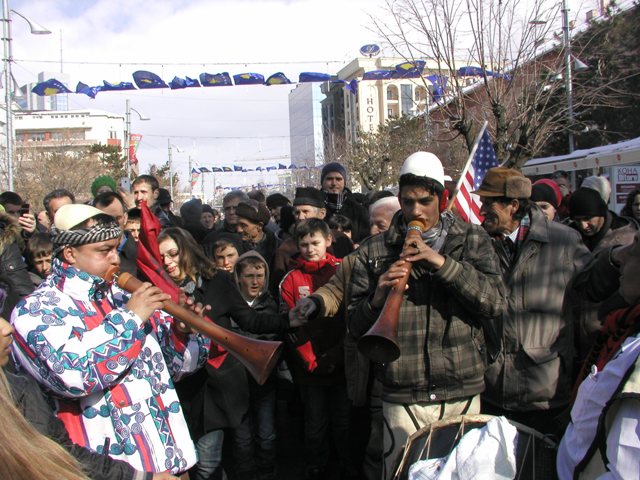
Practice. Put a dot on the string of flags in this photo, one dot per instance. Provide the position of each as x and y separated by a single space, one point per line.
148 80
197 171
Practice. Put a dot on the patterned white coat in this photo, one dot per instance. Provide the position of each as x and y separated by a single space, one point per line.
111 373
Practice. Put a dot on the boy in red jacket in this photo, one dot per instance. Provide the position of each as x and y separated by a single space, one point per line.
317 363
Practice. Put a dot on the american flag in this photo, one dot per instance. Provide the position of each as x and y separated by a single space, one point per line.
468 204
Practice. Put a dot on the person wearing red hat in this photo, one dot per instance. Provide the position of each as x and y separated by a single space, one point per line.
547 195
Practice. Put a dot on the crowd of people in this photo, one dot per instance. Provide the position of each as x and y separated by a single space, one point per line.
532 315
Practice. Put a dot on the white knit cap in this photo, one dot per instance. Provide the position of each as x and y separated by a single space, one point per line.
68 216
424 164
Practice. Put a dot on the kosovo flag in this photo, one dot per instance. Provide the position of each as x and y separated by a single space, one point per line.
216 169
313 77
258 169
439 83
379 75
470 72
352 87
204 170
186 82
277 79
282 167
227 169
410 69
146 79
215 80
248 79
87 90
108 87
237 168
50 87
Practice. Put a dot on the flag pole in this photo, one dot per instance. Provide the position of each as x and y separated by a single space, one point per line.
466 167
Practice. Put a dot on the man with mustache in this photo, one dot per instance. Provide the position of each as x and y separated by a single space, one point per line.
529 381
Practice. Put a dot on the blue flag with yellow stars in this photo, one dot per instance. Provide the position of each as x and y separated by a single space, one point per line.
146 79
50 87
186 82
378 75
277 79
215 79
87 90
248 79
410 69
107 87
313 77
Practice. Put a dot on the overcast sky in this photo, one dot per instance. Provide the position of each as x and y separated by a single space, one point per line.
110 39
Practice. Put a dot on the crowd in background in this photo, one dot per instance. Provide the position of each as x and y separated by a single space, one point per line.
505 319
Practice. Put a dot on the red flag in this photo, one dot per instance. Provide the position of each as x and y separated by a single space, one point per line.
149 261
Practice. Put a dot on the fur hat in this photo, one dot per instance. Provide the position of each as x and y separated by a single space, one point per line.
504 182
333 167
253 211
309 196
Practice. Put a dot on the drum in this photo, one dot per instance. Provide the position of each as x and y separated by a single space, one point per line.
535 452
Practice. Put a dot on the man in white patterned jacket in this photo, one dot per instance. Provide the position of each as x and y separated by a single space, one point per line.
108 358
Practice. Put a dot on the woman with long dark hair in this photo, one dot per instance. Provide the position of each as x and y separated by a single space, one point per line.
216 397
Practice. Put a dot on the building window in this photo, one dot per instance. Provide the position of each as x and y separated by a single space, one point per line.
407 100
392 93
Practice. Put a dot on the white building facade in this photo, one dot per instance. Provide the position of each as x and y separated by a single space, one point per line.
305 125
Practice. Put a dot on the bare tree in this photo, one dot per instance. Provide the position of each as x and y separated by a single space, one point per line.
41 170
514 88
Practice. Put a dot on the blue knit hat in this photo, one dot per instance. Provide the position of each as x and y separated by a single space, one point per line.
333 167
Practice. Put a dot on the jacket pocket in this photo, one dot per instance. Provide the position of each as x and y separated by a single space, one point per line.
540 371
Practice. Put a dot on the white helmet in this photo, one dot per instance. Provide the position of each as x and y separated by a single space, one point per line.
424 164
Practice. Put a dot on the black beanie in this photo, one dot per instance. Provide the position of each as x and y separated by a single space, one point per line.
333 167
277 200
587 203
544 193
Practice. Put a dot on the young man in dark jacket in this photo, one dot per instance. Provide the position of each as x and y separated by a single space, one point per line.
454 291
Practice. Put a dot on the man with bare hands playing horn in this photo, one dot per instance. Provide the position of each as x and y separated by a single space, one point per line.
108 358
453 290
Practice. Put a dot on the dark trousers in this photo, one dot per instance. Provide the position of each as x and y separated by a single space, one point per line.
326 412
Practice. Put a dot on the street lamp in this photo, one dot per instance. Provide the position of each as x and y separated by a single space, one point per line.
142 117
566 40
7 60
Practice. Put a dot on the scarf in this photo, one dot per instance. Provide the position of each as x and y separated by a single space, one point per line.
618 326
83 236
334 201
436 235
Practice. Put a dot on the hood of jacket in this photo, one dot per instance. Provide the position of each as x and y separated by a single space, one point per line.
253 254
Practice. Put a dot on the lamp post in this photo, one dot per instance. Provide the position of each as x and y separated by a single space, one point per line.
566 40
128 109
7 60
170 154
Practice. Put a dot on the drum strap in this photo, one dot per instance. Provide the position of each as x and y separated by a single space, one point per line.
413 418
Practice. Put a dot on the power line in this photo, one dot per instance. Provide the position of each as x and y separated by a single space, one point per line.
179 64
